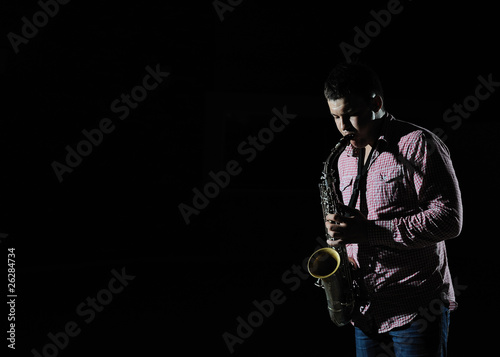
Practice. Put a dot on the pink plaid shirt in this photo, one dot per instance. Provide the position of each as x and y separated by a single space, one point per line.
413 203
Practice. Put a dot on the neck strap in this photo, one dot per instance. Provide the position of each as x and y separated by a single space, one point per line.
360 181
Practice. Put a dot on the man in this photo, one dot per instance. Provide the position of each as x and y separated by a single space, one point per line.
406 204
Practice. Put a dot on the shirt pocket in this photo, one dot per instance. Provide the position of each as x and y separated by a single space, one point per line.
392 174
389 183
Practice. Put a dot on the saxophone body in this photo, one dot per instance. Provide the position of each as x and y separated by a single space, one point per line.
330 265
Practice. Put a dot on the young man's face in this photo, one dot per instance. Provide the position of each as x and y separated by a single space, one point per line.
353 116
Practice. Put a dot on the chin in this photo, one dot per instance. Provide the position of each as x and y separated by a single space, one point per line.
359 144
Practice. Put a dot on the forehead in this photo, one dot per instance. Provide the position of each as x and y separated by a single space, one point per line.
346 105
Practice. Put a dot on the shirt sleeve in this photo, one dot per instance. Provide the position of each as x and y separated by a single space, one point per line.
439 214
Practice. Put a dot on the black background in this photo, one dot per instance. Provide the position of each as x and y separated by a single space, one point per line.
119 207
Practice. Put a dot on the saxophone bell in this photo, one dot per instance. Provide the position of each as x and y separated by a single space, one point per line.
323 263
333 270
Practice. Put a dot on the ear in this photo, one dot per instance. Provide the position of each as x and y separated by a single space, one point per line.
377 103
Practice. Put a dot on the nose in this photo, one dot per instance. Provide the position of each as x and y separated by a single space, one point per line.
346 124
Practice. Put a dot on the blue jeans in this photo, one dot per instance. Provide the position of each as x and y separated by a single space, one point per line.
421 338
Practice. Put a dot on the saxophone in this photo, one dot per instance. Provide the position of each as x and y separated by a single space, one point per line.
330 265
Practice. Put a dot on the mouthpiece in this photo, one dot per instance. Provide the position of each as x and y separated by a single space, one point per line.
343 141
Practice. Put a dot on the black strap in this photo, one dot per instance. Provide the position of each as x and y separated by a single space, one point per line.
360 181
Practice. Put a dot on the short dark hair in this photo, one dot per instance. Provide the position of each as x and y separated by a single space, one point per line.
348 79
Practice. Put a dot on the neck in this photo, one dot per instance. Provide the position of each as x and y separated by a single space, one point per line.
368 149
374 133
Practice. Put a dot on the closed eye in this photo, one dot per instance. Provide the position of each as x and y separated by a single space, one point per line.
345 115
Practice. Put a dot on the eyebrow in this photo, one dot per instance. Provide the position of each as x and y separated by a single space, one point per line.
349 111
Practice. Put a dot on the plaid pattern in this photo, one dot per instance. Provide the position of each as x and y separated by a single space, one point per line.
413 203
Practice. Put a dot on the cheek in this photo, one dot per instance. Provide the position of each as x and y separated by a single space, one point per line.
355 122
360 123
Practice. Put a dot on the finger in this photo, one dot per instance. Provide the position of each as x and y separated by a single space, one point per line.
333 243
336 235
334 217
328 226
335 227
330 223
352 212
338 218
335 231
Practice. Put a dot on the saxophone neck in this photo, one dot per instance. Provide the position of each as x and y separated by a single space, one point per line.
335 153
